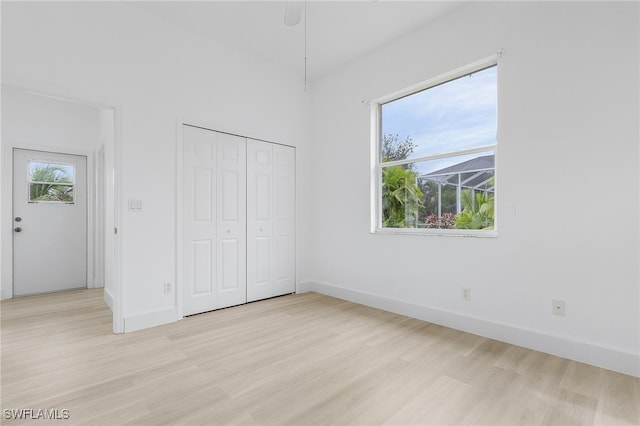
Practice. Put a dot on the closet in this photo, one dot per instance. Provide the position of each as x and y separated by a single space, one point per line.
238 220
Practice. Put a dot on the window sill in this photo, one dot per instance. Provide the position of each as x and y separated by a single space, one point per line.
437 232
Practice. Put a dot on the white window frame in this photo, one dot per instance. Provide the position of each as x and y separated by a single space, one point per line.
30 182
376 168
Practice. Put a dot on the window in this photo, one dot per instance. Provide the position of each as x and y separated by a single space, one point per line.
435 155
50 182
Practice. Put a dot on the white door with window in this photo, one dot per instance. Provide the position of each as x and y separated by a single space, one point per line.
49 222
214 224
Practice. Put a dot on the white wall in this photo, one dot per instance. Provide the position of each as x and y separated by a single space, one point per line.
567 180
154 74
42 123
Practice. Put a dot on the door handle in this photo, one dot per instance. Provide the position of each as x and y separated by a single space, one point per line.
18 229
18 219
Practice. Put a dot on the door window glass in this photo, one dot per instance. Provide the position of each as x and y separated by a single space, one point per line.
51 182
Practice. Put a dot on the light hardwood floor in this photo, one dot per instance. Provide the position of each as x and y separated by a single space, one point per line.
304 359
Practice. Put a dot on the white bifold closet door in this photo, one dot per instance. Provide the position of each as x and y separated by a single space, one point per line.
214 220
270 220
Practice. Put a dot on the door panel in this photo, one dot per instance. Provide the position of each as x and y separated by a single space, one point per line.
280 252
232 224
214 204
230 197
263 246
199 227
262 197
270 220
259 214
202 274
50 222
203 182
284 221
229 281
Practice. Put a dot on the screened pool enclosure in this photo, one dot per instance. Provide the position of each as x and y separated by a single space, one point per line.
475 175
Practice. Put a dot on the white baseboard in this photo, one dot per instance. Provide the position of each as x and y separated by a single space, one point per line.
108 299
150 319
600 356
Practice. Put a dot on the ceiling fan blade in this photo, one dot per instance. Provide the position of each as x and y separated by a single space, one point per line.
293 13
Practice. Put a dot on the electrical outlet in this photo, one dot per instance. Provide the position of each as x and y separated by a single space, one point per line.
168 289
466 294
558 307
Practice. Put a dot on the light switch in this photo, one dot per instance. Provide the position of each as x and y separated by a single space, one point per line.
135 205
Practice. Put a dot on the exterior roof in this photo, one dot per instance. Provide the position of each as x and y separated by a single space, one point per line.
475 173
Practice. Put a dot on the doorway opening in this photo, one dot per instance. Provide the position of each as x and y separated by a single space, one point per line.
59 196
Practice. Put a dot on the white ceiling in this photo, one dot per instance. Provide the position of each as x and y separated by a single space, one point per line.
337 31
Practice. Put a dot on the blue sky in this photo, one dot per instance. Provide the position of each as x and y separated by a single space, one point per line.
457 115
